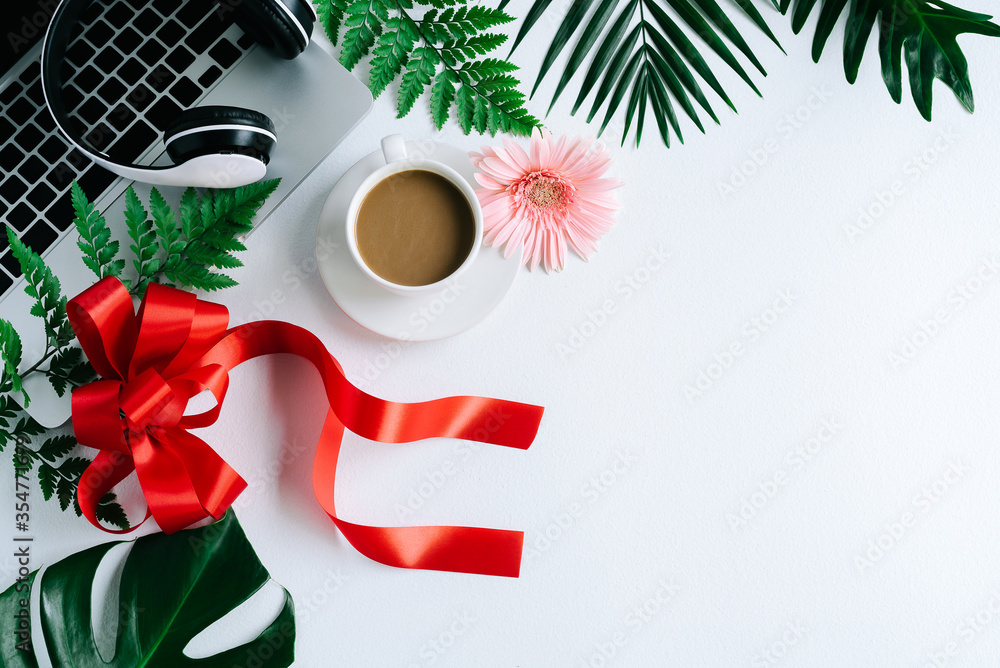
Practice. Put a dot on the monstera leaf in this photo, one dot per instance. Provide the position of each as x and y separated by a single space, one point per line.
172 588
922 30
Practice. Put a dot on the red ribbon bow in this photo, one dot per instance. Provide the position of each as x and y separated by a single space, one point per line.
177 346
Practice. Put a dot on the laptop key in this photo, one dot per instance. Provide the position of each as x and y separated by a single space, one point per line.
205 34
92 13
108 60
167 7
12 188
132 71
99 33
32 170
92 110
193 12
80 53
151 52
21 216
225 53
160 79
161 113
134 142
36 94
101 136
53 149
140 98
21 111
72 97
41 196
60 214
127 40
96 181
120 117
147 22
10 157
10 93
29 138
5 282
6 130
30 73
112 91
40 236
45 121
171 33
61 176
185 91
88 78
180 59
9 263
118 15
245 41
210 76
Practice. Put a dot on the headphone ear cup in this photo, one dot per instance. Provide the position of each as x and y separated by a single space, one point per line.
219 130
283 26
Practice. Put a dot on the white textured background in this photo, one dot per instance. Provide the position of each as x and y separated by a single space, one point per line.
664 529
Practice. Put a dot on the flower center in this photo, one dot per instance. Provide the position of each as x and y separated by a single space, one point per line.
547 191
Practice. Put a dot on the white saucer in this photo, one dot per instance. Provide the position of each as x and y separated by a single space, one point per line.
464 303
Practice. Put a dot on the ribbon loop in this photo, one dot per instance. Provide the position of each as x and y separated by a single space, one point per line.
177 346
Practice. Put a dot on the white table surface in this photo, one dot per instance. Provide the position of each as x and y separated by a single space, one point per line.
819 502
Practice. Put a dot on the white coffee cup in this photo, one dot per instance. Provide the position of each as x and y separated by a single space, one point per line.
397 160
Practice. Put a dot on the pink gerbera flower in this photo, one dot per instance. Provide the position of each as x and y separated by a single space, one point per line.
555 196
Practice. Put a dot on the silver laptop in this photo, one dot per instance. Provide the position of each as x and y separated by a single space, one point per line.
132 65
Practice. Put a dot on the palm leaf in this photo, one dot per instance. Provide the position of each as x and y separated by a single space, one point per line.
641 52
924 31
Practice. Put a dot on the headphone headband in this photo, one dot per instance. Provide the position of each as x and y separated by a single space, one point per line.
221 169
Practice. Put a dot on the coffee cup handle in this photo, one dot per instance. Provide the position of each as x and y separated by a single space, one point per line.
393 148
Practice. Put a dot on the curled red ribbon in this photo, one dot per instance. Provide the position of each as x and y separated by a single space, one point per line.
177 346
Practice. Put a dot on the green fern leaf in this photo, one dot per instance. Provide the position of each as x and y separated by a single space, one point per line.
442 95
419 70
99 249
10 355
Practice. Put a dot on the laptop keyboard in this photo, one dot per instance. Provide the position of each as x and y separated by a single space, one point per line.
131 66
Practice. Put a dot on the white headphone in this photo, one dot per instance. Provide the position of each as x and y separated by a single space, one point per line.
211 146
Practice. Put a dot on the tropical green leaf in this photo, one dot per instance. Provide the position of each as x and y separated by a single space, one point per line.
99 249
10 356
923 32
57 447
442 47
637 52
172 588
43 287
